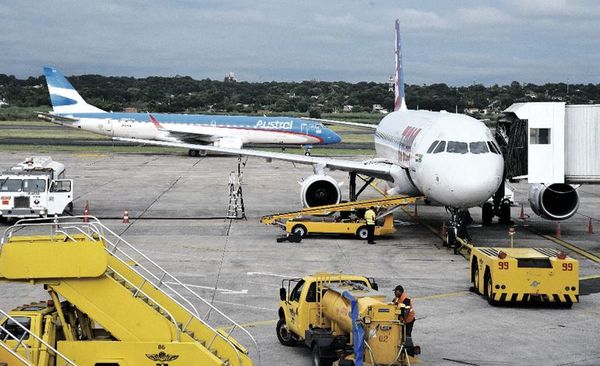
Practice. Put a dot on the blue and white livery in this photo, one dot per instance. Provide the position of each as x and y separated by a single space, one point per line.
70 109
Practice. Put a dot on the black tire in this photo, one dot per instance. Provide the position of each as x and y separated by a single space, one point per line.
451 238
69 209
285 336
487 214
300 230
317 360
307 153
475 281
362 233
489 290
505 212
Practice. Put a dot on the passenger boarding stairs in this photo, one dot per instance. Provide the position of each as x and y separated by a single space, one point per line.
120 288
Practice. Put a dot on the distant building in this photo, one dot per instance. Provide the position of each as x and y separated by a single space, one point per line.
377 107
3 102
130 110
348 108
230 78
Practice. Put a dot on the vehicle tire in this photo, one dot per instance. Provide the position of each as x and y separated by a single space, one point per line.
505 212
69 209
362 233
476 281
487 214
317 360
300 230
285 336
489 290
451 238
307 153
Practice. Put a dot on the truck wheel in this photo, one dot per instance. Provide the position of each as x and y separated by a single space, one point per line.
69 208
505 211
362 233
317 359
300 230
476 281
489 289
285 336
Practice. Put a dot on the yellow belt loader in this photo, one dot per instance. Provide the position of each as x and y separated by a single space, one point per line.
344 321
524 274
109 304
341 218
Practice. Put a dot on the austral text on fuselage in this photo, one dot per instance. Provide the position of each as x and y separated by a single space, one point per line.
279 125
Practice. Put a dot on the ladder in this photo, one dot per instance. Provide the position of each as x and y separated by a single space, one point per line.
390 203
149 282
61 360
236 209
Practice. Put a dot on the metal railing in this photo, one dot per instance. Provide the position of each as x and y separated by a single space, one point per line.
25 360
156 275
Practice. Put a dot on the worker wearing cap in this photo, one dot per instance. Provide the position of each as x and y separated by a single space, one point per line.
370 218
409 317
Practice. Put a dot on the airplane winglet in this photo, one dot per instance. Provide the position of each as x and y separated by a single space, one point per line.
399 100
156 123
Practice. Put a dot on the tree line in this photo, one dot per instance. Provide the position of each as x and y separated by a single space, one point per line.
187 95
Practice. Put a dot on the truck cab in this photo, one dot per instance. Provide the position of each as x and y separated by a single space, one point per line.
35 188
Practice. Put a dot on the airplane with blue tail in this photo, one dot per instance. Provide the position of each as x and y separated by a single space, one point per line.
70 109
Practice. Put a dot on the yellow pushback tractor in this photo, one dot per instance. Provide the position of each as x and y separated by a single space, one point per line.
524 275
342 218
344 321
110 305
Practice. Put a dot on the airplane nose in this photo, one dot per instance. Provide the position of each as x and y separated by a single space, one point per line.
333 138
467 184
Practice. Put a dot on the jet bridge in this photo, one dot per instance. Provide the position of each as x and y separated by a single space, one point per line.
551 142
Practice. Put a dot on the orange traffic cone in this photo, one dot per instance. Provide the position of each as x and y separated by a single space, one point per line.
522 215
558 230
126 217
590 227
86 212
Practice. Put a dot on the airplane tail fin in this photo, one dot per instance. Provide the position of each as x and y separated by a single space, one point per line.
64 97
399 100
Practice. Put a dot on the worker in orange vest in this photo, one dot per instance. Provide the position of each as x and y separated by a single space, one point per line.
370 219
409 316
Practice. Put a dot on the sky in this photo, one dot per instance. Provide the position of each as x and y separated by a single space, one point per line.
457 42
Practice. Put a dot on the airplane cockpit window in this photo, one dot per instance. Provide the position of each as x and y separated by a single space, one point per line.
433 145
479 147
493 148
457 147
440 148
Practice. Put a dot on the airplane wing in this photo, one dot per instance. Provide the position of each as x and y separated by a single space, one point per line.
377 168
194 138
367 126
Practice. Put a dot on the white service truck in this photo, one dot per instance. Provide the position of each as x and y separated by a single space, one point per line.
35 188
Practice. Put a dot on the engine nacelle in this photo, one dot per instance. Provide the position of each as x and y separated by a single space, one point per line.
557 201
320 190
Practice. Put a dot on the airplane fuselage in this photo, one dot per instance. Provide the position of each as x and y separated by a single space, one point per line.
462 173
230 131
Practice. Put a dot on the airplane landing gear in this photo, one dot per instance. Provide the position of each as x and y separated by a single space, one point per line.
457 227
195 153
307 149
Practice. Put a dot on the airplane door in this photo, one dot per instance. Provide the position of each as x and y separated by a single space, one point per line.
108 127
304 128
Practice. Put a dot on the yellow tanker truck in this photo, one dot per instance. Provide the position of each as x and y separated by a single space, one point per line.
344 320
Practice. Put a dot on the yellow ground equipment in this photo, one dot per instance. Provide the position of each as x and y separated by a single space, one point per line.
109 304
524 274
343 319
342 218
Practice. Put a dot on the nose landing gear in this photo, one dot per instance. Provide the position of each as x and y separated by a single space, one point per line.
457 228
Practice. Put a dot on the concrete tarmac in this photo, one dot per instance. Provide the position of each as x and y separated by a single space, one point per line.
177 206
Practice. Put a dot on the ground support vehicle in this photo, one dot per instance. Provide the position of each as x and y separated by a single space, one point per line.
341 218
35 188
110 305
344 320
524 275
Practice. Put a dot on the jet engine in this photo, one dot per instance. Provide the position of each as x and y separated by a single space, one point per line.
320 190
557 201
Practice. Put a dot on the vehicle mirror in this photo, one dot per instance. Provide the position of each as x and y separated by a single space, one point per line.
282 294
375 286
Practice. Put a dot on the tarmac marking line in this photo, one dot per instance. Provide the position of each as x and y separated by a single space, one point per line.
576 249
442 296
591 277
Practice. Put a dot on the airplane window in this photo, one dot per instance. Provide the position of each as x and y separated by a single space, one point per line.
440 148
457 147
433 145
492 147
478 147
